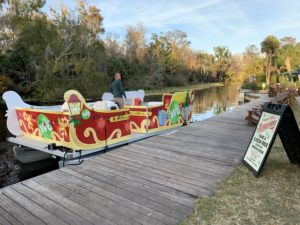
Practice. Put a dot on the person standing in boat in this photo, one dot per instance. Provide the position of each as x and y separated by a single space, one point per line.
117 89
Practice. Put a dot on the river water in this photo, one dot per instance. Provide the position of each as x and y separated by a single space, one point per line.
207 103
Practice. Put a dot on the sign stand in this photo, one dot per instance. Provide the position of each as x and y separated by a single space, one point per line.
274 119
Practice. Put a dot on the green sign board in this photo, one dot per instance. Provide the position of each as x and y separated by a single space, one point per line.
44 126
174 112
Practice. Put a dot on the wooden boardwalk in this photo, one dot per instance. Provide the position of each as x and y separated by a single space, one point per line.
154 181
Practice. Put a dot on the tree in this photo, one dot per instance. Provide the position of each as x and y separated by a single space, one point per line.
135 43
269 46
221 57
235 70
250 54
287 53
205 66
90 20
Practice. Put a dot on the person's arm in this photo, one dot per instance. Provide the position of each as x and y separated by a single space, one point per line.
122 89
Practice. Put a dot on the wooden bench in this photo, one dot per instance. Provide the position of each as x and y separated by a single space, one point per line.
286 97
253 115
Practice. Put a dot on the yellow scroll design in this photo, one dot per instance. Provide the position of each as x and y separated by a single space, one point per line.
144 124
134 125
22 124
37 132
28 119
56 136
155 121
116 131
77 144
92 131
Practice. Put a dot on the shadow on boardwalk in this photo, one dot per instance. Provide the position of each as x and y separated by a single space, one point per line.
154 181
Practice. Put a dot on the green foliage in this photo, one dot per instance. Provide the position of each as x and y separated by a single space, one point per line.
221 58
254 86
273 79
270 45
49 57
289 84
5 84
281 78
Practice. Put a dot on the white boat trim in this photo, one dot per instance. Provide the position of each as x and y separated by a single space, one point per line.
43 146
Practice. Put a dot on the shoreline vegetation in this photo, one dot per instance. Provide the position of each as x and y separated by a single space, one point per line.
271 199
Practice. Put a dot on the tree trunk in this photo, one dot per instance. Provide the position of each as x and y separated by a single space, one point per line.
288 66
268 70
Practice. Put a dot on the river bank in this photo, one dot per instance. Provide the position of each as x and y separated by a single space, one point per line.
200 86
150 92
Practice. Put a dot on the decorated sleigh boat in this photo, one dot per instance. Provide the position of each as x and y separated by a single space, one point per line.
79 128
76 125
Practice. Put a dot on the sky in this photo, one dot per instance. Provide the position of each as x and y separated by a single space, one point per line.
208 23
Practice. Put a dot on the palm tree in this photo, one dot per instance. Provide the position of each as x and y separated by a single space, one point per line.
269 46
288 53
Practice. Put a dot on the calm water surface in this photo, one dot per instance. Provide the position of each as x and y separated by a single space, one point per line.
207 103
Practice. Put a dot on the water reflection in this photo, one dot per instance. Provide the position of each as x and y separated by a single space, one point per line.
213 101
207 103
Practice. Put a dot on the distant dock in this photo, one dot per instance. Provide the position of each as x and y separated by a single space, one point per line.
153 181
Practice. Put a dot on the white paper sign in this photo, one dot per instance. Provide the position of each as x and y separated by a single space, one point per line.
261 140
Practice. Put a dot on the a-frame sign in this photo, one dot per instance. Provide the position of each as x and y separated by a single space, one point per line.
274 119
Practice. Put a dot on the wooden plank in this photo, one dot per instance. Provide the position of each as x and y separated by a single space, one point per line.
18 212
31 206
175 213
226 148
165 180
3 221
119 209
223 120
188 182
176 195
80 198
203 136
206 152
89 215
154 164
54 208
225 130
217 136
12 220
221 151
88 199
217 127
134 188
220 125
92 185
215 132
164 165
210 168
